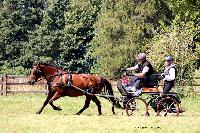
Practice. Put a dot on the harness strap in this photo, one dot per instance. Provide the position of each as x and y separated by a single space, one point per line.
69 82
55 84
60 73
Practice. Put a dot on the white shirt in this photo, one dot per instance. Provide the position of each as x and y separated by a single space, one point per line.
144 70
170 75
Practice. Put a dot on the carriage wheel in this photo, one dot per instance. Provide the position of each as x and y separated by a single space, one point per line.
168 105
136 106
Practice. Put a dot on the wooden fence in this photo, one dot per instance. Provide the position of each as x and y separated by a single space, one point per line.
16 84
19 84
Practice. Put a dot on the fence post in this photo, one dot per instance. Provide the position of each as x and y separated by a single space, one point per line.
2 85
6 76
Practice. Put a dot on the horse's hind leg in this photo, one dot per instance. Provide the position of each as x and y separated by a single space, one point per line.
98 103
50 94
87 104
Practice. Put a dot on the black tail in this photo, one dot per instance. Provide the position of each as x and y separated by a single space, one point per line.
108 90
107 87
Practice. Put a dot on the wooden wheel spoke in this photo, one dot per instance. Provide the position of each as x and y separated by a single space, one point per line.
166 104
136 106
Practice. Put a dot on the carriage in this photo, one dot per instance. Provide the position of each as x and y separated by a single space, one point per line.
154 100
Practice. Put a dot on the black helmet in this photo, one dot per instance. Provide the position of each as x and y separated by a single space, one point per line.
169 58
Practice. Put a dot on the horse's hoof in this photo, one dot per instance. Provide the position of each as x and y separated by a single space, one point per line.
57 108
38 112
158 115
78 113
100 114
147 114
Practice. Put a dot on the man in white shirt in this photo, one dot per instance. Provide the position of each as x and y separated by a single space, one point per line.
169 74
144 68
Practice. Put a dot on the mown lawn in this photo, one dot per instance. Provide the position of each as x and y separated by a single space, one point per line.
17 115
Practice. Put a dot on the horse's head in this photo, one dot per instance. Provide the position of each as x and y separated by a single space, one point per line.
35 74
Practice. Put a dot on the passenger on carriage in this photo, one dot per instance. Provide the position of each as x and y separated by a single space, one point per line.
145 69
169 74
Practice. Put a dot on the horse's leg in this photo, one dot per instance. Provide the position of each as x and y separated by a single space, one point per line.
98 103
87 104
56 96
55 107
50 94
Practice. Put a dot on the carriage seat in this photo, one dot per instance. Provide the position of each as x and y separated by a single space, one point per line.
151 81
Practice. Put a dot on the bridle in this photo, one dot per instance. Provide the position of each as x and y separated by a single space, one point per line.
37 74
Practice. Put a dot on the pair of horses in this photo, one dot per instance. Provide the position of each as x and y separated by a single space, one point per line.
62 83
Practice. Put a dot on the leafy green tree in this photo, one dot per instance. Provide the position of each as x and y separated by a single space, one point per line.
52 30
65 33
186 10
45 41
122 30
79 31
17 19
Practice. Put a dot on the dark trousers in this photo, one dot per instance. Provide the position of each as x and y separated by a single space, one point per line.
136 82
168 86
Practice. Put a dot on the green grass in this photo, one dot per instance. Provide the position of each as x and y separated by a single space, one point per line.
17 114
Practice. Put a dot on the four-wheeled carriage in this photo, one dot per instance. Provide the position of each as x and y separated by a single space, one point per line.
157 101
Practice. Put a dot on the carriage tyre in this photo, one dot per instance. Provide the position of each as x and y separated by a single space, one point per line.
168 105
136 106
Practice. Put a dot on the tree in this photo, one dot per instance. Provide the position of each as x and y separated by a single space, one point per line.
45 41
79 31
122 30
65 33
17 19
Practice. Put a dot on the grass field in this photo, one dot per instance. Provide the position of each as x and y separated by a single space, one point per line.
17 115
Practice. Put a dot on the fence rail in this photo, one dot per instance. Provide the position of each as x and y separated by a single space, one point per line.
21 91
9 81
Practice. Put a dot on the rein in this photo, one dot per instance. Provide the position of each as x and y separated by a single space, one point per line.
91 94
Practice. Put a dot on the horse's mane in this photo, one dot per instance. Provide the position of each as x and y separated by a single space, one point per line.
47 64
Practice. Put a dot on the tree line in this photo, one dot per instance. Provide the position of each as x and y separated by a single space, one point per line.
99 36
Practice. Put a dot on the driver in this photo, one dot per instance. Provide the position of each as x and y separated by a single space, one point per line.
144 68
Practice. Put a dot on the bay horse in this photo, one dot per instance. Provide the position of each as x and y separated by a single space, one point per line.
62 83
